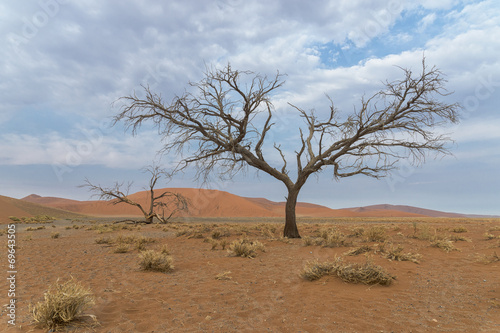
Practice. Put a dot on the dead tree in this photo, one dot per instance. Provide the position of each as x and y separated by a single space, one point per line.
158 203
218 123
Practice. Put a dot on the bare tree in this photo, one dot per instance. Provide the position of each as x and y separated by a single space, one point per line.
218 129
157 202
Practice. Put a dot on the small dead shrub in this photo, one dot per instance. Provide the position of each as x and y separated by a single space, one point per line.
121 248
367 273
152 260
55 235
315 270
375 234
486 235
396 253
359 250
223 276
245 248
459 238
63 303
444 244
459 230
103 240
490 259
218 233
357 232
333 238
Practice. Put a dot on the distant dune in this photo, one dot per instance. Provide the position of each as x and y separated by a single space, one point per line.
203 203
22 208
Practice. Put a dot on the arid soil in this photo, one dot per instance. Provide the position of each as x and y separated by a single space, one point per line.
455 291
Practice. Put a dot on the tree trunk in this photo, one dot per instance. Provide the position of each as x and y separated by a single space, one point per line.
291 230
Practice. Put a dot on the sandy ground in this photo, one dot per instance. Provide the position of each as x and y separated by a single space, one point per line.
452 291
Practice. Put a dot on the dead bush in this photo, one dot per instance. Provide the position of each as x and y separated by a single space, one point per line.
359 250
245 248
367 273
396 253
375 234
63 303
315 270
444 244
152 260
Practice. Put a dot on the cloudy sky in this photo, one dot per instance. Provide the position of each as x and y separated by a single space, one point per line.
63 64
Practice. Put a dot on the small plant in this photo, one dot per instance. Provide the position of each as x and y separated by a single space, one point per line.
333 238
55 235
459 230
488 236
357 232
103 240
367 273
220 232
359 250
444 244
223 243
245 248
223 276
459 238
121 248
35 228
62 304
15 219
315 270
152 260
375 234
396 253
490 259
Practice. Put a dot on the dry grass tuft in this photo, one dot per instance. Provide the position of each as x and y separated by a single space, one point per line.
156 261
245 248
367 273
459 230
375 234
223 276
490 259
359 250
396 253
444 244
315 270
63 303
55 235
121 248
103 240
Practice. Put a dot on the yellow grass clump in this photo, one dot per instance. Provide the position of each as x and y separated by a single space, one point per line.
63 303
245 248
157 261
367 273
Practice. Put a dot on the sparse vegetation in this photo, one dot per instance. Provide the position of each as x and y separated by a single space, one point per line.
245 248
35 228
359 250
490 259
459 230
444 244
157 261
396 253
367 273
223 276
375 234
63 303
121 248
55 235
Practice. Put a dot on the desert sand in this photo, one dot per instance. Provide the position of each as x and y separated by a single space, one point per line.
456 291
211 291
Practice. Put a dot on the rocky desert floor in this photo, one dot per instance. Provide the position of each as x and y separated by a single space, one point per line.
450 284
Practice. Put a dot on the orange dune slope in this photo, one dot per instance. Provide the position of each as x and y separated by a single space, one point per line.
215 203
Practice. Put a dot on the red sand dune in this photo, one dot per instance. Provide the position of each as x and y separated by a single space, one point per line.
214 203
